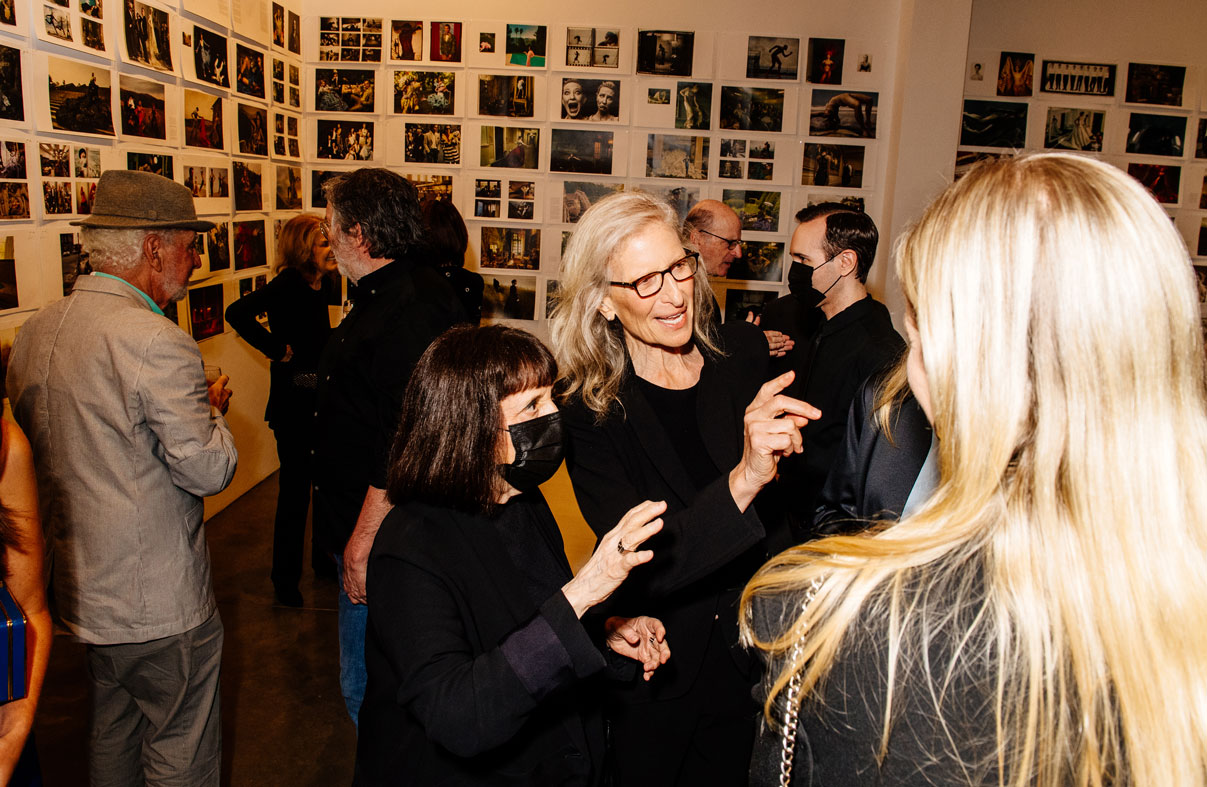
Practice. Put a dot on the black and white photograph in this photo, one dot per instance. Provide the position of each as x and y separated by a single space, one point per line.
12 102
574 150
693 105
676 156
142 107
502 95
289 187
770 57
758 211
1015 74
248 177
432 143
833 165
747 305
344 139
249 244
590 99
578 195
1081 79
760 261
203 120
148 35
824 65
253 130
446 42
508 247
344 90
424 92
595 47
54 160
155 163
509 297
58 22
843 113
249 71
205 311
79 97
1074 129
525 45
752 108
1156 135
210 57
665 52
510 146
994 124
1162 181
406 39
1153 84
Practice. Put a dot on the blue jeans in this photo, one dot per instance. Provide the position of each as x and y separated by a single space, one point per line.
352 620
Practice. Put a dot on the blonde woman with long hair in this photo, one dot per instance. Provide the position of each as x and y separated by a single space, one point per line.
1042 619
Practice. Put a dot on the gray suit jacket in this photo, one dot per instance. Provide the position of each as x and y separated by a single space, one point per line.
113 398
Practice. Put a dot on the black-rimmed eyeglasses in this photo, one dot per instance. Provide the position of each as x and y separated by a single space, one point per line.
730 242
651 284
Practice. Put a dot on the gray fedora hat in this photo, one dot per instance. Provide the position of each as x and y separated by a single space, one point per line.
128 200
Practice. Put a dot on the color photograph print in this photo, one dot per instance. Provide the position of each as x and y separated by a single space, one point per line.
431 187
1153 84
12 99
293 33
488 201
661 96
676 156
590 99
833 165
13 162
1156 135
596 47
747 305
967 159
248 184
1162 181
155 163
500 95
249 244
1203 195
211 57
850 201
508 247
752 108
573 150
56 198
825 61
289 188
148 35
509 298
446 42
1015 74
578 195
1082 79
203 120
249 71
760 261
205 311
525 45
350 39
54 160
344 139
1202 247
406 40
14 201
252 129
836 113
218 246
1074 129
665 52
317 178
142 107
79 96
83 29
1200 140
278 25
681 198
344 90
285 140
693 105
994 124
424 92
759 211
8 14
521 200
769 57
9 295
432 143
209 185
72 259
510 146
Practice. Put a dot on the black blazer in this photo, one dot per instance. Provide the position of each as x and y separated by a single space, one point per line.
470 682
707 549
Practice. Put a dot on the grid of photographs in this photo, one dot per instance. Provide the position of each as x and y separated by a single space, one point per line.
350 39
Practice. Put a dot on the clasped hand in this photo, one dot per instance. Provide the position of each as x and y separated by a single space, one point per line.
642 639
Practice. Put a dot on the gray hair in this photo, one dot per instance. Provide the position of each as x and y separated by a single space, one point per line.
118 251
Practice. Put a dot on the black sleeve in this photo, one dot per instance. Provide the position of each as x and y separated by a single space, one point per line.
840 498
242 317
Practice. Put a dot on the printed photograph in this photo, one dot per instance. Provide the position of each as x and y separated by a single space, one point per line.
578 195
12 161
762 149
665 52
1200 141
432 143
54 160
487 208
507 247
209 57
832 165
525 45
203 120
148 35
572 150
289 188
733 148
446 42
825 61
218 246
835 113
317 178
196 180
510 146
1156 135
406 39
994 124
339 139
1082 79
219 182
967 159
752 108
278 25
79 97
58 22
500 95
760 261
92 34
760 170
142 107
509 298
249 73
488 189
343 90
12 103
693 105
1202 249
14 200
253 130
1161 181
597 47
1074 129
293 33
73 258
486 43
729 170
249 185
520 209
249 244
1015 74
768 57
205 311
747 305
1153 84
154 163
590 99
56 197
661 95
9 298
85 196
424 92
758 210
432 187
676 156
846 200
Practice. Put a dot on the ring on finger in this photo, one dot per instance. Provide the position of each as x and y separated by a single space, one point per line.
620 548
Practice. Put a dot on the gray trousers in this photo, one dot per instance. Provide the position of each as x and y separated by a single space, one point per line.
155 714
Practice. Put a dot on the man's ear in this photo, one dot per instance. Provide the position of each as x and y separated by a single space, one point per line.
152 247
848 262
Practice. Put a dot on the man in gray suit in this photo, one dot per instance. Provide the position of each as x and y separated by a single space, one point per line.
127 439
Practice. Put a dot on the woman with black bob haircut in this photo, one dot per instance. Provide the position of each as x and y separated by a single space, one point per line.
476 650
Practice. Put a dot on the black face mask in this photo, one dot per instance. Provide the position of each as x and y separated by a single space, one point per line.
800 283
538 452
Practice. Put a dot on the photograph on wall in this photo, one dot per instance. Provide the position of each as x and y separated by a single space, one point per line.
56 197
54 160
249 244
1202 247
342 139
1200 140
590 99
839 113
676 156
1203 195
770 57
9 296
760 261
681 198
846 200
79 97
13 163
278 25
574 150
344 90
752 108
57 23
12 101
218 246
487 208
205 311
317 178
210 57
249 71
1200 275
747 305
432 143
661 96
219 182
665 52
431 187
142 107
8 14
293 32
1156 135
406 39
500 95
155 163
84 31
148 35
1083 79
693 105
285 141
73 260
446 42
967 159
1162 181
508 247
350 39
521 200
424 92
758 210
825 61
253 130
203 120
1153 84
1074 129
578 195
486 42
14 201
487 197
510 146
289 187
1015 74
248 177
994 124
510 298
525 45
832 165
597 47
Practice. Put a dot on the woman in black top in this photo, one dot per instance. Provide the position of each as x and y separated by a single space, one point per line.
447 238
298 327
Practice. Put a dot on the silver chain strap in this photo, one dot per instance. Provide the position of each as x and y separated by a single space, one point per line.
792 706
